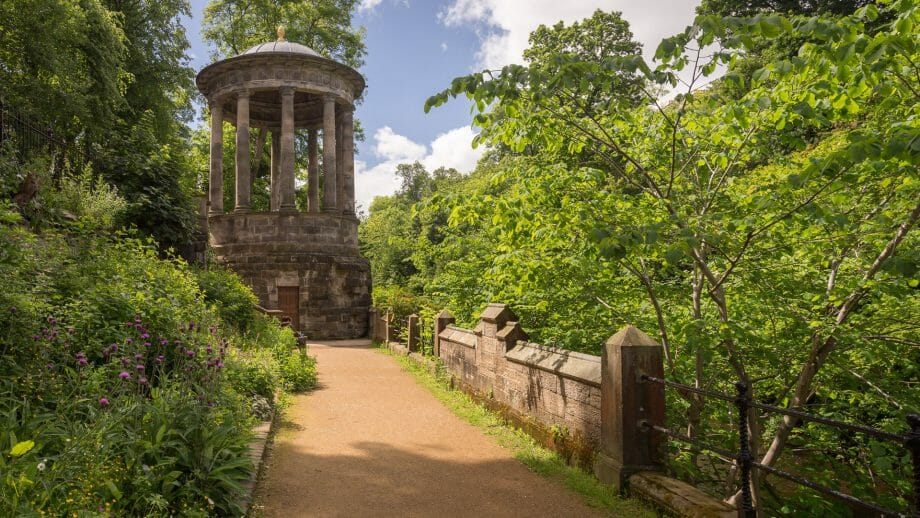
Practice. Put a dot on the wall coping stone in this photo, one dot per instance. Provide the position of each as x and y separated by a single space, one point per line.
677 498
458 335
569 364
497 312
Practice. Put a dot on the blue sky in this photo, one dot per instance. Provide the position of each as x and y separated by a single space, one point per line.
416 47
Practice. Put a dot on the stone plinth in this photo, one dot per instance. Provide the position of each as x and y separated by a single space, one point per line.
316 252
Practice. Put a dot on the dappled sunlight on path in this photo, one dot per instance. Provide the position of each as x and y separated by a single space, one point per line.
371 442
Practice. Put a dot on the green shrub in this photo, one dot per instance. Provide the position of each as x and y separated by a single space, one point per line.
254 373
298 371
225 291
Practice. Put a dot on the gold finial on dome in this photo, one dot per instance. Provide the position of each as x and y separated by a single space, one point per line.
281 33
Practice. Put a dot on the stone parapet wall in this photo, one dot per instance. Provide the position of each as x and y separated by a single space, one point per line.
588 408
557 389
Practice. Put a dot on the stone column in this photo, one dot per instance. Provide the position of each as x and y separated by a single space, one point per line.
313 171
276 171
339 162
413 338
287 150
348 157
242 152
329 168
216 183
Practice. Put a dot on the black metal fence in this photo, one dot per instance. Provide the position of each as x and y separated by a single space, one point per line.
745 460
31 139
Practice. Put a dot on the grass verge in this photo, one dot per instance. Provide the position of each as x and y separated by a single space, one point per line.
538 459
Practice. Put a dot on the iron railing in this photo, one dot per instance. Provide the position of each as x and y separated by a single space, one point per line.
30 139
745 460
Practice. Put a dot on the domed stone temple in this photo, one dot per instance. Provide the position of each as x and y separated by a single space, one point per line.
304 264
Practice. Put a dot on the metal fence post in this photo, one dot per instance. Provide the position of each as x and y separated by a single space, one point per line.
746 508
913 444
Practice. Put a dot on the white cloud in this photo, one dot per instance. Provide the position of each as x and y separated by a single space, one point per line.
504 26
443 46
450 149
454 149
368 5
391 146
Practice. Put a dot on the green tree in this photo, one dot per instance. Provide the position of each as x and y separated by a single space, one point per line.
232 26
63 64
784 269
593 39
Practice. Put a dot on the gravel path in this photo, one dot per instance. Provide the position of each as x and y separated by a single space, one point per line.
369 441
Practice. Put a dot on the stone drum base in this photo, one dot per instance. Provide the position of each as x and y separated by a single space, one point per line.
305 264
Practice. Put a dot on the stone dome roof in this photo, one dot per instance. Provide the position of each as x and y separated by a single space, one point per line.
282 47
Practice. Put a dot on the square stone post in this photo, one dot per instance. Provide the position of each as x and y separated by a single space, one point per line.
390 333
339 160
329 168
242 152
216 182
348 157
412 340
626 401
276 171
441 322
312 171
287 150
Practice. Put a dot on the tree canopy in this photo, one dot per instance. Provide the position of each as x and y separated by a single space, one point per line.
767 234
232 26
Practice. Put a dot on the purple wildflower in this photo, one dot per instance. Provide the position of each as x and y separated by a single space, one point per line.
124 375
103 402
138 356
50 366
160 359
71 330
139 367
36 337
145 336
190 353
129 341
142 380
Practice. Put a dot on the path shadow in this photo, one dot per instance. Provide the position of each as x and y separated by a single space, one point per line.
343 344
382 480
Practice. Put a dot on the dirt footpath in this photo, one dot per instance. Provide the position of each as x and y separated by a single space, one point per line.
371 442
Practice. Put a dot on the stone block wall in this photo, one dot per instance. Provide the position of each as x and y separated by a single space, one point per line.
317 252
557 389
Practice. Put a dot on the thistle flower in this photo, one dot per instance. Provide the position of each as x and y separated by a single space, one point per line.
142 380
160 359
139 367
71 330
124 375
138 356
103 402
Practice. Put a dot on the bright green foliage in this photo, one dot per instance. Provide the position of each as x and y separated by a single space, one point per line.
793 270
233 26
112 364
232 299
64 62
